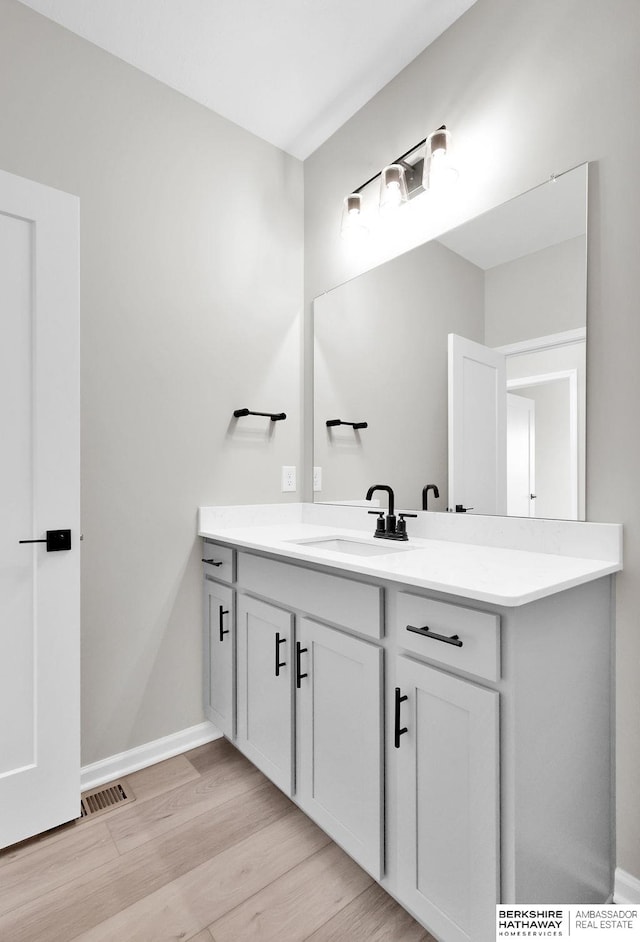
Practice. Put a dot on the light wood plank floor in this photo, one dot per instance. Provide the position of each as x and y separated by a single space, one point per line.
210 851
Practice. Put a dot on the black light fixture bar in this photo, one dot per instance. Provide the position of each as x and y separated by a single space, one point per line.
415 169
333 422
274 416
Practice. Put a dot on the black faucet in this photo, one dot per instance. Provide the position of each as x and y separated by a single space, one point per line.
425 493
388 528
382 487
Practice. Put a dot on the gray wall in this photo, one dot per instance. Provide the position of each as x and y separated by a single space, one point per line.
191 304
540 294
530 89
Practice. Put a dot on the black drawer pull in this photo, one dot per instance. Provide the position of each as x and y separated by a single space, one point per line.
299 651
398 730
279 663
223 631
213 562
427 633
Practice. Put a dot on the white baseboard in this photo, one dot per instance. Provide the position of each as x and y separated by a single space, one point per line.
627 888
106 770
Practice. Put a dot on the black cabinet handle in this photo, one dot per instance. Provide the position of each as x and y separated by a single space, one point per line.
213 562
299 651
223 631
398 731
279 663
427 633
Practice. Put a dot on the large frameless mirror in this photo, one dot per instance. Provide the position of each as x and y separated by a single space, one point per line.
461 364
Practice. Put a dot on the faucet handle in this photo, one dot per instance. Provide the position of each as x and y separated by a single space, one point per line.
401 528
379 522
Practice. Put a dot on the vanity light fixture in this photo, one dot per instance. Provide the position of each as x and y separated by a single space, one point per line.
352 219
412 173
438 171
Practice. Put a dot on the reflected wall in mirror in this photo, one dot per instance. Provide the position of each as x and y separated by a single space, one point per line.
512 281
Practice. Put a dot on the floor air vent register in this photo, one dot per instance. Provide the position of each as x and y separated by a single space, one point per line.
100 800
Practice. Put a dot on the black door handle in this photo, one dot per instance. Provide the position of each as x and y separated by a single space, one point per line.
223 631
299 651
56 540
427 633
279 663
213 562
398 731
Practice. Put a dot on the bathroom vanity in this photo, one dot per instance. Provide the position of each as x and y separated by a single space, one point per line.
441 707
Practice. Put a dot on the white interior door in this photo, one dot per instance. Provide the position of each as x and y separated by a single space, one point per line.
39 491
521 456
477 427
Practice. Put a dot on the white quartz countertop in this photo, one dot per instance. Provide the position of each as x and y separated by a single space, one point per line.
502 575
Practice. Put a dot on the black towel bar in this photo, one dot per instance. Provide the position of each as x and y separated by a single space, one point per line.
274 416
332 422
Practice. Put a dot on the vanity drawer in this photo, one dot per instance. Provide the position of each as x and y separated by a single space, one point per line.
221 568
343 602
479 633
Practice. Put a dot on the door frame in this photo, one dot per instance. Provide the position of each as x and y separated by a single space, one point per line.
570 376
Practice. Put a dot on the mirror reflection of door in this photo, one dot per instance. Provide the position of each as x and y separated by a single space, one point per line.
534 455
477 427
521 456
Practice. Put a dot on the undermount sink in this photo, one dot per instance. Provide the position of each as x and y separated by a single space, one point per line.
339 544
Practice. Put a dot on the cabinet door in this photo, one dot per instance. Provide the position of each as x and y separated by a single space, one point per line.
447 814
219 643
340 739
265 689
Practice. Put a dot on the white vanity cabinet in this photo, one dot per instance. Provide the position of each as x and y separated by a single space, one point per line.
446 756
219 636
446 809
310 697
487 801
265 689
443 741
219 642
339 715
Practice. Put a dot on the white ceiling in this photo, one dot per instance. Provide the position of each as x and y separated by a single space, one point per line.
290 71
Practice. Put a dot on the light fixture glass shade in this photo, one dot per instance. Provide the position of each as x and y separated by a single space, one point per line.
438 172
393 188
353 223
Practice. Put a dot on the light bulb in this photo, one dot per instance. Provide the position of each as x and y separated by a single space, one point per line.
393 188
353 224
439 173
